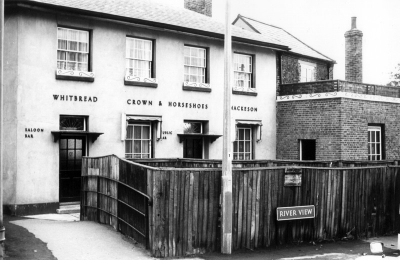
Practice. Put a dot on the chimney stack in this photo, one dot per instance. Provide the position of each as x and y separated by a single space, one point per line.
199 6
353 57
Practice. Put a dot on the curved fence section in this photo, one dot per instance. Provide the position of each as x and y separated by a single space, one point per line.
114 192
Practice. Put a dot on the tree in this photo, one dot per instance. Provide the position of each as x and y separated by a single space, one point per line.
395 77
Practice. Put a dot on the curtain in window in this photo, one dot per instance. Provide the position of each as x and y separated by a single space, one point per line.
195 64
242 66
73 49
139 55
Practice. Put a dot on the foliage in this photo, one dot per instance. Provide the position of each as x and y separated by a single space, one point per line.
395 77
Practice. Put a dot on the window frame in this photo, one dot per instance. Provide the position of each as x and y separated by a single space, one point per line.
142 81
237 140
198 86
85 122
372 128
76 75
252 90
150 140
306 65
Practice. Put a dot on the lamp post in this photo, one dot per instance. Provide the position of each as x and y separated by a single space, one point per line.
2 229
226 245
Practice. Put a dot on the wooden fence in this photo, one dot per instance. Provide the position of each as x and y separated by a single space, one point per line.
210 163
114 192
184 219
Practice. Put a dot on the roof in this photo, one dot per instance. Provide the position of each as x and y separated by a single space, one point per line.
157 15
285 38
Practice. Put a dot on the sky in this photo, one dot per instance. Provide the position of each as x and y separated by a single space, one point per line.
321 24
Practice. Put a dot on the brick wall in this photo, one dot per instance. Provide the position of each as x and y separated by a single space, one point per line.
199 6
291 69
308 119
338 125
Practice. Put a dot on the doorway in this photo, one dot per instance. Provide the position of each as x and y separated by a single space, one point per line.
193 148
71 151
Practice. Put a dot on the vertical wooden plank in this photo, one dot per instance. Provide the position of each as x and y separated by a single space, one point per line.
235 194
201 211
186 213
244 225
210 210
171 218
150 222
257 205
189 249
156 214
253 209
217 195
195 236
205 210
181 213
240 177
249 204
175 226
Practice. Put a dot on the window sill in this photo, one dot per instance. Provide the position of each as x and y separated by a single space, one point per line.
251 92
194 86
75 75
140 82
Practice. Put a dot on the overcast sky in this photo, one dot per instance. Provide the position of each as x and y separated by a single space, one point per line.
322 23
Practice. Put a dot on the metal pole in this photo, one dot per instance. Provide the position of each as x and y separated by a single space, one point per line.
2 229
226 247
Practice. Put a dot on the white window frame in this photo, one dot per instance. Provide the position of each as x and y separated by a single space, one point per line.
141 153
240 71
374 145
83 38
236 155
188 65
130 56
307 71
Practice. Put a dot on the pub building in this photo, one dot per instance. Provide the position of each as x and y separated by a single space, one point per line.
136 79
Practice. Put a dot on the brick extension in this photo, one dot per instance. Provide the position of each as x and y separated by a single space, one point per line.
339 126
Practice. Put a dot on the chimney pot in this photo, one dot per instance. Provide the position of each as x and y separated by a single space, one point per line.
353 23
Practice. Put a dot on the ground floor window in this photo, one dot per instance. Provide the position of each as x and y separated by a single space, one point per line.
307 149
138 140
375 143
242 147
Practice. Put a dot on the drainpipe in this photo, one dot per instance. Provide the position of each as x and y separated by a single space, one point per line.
226 245
2 229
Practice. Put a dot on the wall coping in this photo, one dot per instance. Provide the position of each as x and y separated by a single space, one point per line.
332 95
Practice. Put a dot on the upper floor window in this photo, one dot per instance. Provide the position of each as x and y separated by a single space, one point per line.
243 71
375 143
307 71
72 49
139 57
195 64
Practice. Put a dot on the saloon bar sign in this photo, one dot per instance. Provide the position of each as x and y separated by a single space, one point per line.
298 212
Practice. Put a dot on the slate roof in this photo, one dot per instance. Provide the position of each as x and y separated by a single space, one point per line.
284 38
156 14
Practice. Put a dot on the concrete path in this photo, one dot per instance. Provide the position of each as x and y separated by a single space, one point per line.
69 239
64 237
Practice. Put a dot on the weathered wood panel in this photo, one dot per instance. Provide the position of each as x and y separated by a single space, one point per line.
351 202
114 192
185 212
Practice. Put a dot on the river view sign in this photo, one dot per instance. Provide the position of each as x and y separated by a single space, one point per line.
298 212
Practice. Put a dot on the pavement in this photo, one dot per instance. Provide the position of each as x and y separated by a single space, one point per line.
64 237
